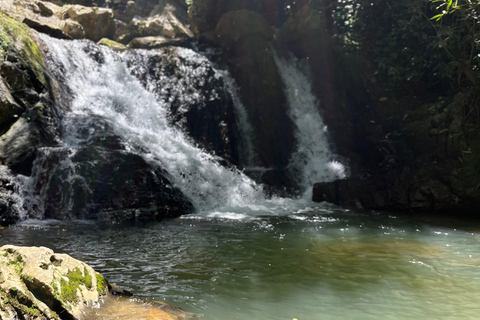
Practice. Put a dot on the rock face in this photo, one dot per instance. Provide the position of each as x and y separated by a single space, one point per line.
36 283
245 36
97 22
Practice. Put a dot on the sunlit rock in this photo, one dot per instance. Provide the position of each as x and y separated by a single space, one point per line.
36 283
98 23
155 42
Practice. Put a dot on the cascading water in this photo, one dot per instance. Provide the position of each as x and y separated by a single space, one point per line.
313 161
135 102
103 90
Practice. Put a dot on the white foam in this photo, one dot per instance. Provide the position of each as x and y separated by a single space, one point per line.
313 161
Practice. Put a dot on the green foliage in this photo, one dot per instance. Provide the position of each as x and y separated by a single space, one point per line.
457 24
418 50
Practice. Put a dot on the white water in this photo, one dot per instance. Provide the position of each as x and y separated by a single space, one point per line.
109 91
139 114
247 154
313 161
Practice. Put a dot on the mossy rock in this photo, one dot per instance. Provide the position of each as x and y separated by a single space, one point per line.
112 44
42 284
17 37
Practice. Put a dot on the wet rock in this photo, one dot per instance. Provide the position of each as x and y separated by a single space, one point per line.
13 75
108 184
112 44
98 23
197 95
364 193
9 109
40 284
10 201
156 42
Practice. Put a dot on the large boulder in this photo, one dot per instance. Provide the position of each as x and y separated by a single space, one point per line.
37 283
97 23
102 181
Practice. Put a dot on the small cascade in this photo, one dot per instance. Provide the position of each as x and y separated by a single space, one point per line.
105 94
313 161
247 155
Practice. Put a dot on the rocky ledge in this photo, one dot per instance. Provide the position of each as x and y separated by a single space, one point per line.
36 283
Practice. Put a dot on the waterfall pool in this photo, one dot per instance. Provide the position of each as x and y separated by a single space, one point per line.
319 262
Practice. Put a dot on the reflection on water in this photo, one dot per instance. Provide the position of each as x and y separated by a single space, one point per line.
315 264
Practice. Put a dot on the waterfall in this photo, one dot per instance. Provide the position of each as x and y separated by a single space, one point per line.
245 129
102 87
313 161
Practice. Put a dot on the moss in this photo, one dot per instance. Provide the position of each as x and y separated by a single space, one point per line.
16 36
88 278
102 284
68 288
16 261
112 44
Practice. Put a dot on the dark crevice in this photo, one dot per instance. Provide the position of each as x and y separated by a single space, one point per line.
45 295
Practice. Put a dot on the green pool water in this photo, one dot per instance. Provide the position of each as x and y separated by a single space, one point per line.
317 263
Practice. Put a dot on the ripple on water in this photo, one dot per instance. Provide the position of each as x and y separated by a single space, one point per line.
342 265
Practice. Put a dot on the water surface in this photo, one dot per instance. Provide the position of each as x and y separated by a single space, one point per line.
316 263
